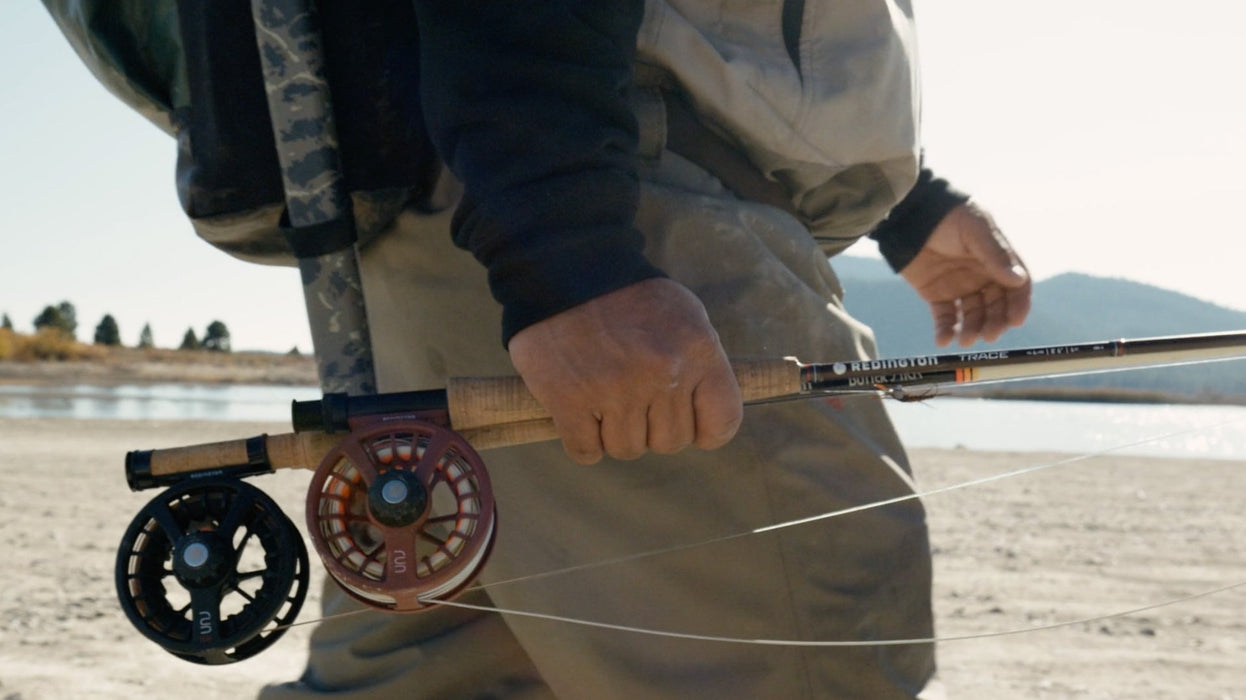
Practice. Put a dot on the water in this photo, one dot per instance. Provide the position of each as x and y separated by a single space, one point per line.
1158 430
1216 432
164 401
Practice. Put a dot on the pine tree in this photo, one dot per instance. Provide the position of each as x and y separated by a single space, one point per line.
189 341
144 337
216 337
50 318
6 323
70 316
107 333
62 317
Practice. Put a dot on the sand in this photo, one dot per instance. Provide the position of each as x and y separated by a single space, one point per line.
1076 541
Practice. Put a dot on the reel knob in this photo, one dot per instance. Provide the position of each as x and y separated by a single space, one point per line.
402 512
201 559
213 571
397 498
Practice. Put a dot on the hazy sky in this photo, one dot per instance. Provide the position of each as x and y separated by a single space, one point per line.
1108 137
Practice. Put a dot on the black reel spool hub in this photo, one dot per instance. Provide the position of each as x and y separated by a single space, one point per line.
402 512
212 571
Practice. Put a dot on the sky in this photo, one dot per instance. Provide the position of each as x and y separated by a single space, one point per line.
1106 137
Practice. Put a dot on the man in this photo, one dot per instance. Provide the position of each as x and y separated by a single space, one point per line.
647 192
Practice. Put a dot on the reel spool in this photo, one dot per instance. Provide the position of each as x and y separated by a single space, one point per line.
402 512
213 572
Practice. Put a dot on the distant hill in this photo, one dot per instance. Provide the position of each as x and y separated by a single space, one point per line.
1068 308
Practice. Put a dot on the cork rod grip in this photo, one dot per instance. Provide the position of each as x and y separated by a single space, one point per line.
285 451
489 402
768 378
488 412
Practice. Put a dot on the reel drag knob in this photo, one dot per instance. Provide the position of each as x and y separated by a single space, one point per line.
201 559
213 572
402 512
397 498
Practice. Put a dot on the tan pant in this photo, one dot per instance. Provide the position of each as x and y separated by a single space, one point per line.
866 576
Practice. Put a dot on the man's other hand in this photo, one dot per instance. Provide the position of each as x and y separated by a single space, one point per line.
975 284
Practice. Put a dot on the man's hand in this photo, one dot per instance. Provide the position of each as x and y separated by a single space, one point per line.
975 284
637 369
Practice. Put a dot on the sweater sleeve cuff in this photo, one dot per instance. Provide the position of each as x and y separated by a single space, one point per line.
545 260
537 283
907 228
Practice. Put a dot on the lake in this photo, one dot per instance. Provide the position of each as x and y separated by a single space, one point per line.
1217 432
164 401
1158 430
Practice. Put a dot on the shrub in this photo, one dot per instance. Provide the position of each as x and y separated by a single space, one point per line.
49 344
45 344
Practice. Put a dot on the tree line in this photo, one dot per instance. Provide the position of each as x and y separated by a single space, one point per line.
62 319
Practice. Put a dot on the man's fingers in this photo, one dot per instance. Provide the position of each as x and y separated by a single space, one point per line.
972 318
624 433
719 408
1018 299
581 437
946 317
995 313
672 423
709 419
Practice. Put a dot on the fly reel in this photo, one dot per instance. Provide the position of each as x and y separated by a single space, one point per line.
401 512
212 571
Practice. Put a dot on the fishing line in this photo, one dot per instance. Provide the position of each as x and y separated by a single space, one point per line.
852 509
834 643
803 521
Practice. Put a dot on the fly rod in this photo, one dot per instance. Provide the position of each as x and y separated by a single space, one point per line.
491 412
400 508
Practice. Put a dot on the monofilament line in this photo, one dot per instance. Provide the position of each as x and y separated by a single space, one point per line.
831 643
844 511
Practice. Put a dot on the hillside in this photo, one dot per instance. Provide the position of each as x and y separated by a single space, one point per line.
1067 308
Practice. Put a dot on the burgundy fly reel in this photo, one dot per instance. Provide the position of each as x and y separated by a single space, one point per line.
401 512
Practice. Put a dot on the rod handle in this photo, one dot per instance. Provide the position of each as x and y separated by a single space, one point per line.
257 455
488 412
480 402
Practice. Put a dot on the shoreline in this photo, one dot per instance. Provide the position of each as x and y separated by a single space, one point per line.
131 366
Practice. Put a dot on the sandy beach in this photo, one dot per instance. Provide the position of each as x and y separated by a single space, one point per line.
1071 542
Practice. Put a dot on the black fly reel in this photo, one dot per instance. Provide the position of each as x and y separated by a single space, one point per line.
212 571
